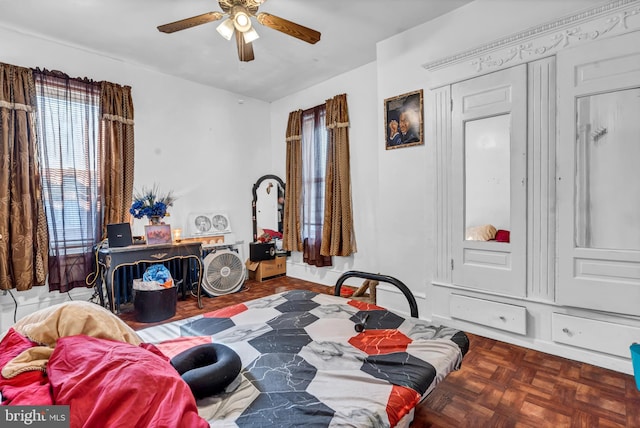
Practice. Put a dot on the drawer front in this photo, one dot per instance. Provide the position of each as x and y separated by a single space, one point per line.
492 314
603 336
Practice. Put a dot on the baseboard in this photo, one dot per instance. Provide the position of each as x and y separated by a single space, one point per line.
391 298
305 272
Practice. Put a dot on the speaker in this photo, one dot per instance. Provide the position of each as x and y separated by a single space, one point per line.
262 251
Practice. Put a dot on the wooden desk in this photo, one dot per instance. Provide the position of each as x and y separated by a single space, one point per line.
110 259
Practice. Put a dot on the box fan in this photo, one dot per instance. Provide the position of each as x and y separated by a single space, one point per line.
224 273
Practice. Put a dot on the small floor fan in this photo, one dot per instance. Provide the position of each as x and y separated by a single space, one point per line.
224 273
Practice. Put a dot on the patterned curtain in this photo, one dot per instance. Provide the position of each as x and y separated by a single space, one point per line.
116 131
23 227
338 238
291 238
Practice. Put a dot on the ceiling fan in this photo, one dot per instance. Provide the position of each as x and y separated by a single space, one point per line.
238 23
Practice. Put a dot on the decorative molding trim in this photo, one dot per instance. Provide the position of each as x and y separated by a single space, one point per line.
610 19
158 256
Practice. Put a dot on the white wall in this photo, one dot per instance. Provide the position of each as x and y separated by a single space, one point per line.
189 138
364 138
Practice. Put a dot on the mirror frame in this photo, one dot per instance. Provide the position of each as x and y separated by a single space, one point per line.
254 191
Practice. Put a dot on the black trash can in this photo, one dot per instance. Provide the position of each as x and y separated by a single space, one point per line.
155 305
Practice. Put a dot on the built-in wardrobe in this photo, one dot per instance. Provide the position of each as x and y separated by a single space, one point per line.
537 146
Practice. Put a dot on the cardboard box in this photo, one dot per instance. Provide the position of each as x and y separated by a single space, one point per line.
266 269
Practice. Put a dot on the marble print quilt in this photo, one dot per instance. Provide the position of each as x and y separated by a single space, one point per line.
305 363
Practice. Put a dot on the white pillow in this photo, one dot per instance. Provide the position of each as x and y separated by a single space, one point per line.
481 233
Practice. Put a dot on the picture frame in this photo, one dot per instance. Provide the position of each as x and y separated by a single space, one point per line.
403 120
158 234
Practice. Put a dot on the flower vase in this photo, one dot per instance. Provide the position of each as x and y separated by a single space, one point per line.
155 220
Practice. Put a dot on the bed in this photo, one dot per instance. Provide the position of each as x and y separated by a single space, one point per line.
307 359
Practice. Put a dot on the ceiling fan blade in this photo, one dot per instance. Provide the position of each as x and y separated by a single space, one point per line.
291 28
183 24
254 3
245 50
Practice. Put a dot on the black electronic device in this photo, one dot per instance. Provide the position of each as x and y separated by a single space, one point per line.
119 235
262 251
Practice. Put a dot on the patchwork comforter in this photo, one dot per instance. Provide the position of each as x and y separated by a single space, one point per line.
304 363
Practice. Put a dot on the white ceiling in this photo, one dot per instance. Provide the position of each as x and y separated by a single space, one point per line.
126 29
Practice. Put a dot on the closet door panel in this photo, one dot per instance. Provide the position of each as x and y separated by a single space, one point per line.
598 176
488 174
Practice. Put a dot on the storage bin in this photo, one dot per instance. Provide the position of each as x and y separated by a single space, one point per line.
635 360
155 305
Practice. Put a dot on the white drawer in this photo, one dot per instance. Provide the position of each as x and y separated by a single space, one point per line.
603 336
486 312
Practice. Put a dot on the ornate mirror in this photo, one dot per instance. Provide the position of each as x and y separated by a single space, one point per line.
268 204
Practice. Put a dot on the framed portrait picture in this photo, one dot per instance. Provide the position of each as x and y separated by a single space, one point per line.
403 120
158 234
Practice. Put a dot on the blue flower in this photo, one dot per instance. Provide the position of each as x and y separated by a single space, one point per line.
150 204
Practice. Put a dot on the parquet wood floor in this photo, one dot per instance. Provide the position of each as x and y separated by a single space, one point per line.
499 385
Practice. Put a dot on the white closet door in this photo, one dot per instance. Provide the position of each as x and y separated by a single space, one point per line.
598 186
489 166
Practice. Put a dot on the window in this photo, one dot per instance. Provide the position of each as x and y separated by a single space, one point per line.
68 121
314 166
314 161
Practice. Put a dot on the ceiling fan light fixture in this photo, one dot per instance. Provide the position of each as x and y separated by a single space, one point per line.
236 21
241 21
226 28
250 35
